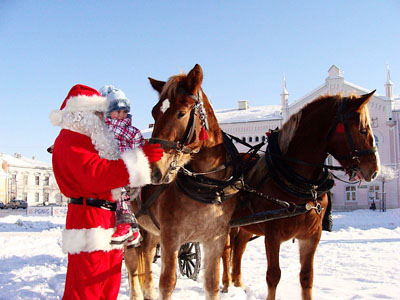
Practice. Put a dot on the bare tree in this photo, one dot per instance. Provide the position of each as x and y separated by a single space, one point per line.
386 174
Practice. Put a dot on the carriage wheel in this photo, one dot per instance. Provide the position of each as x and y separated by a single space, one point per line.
189 259
157 255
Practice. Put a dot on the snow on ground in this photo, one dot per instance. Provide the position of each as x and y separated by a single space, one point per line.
360 259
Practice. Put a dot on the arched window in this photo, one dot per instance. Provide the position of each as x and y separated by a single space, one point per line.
243 139
250 139
263 138
376 141
257 139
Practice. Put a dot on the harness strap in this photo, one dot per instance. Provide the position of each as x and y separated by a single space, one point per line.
209 190
269 215
288 180
145 206
171 145
98 203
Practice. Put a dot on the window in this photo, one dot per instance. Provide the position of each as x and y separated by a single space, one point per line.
25 196
243 139
46 197
350 193
37 179
374 193
374 122
36 197
263 138
250 139
376 141
46 181
25 179
257 139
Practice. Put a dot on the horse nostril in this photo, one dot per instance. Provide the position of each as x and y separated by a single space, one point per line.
374 175
156 175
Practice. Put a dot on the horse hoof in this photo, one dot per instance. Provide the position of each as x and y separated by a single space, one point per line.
224 289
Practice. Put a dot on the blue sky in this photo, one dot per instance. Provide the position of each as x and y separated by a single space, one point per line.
244 47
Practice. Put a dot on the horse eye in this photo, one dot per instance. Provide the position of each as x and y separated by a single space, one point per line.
181 114
363 131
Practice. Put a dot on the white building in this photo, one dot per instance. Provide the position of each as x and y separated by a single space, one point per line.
29 179
251 124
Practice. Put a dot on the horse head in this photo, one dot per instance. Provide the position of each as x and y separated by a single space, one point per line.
351 140
181 122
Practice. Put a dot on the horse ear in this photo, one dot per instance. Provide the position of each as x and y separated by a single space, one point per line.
156 84
363 100
194 79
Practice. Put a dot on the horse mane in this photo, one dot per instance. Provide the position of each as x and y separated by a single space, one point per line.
170 87
288 130
169 91
290 127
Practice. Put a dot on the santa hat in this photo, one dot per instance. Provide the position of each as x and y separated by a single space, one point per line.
116 98
80 98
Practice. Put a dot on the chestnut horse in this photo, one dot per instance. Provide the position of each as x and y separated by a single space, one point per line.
334 125
186 127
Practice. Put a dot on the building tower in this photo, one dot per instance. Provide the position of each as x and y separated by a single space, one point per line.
285 101
389 85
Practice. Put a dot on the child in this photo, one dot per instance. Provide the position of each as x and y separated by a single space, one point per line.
128 137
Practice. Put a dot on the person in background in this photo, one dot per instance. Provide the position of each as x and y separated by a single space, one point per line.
87 166
119 121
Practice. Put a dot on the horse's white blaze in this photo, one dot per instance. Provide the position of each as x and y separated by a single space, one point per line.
164 106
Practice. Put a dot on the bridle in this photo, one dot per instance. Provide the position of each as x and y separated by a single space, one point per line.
180 146
299 186
341 124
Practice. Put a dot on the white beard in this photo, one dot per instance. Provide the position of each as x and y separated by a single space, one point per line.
89 124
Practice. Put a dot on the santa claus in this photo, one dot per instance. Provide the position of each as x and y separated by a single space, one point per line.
87 167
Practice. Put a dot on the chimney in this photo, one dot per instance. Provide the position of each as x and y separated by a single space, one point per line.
243 104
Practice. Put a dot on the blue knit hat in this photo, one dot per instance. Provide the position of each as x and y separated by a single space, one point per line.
116 98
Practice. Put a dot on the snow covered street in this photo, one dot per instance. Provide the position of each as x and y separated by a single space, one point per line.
360 259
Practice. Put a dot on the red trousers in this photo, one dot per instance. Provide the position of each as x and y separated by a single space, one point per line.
93 275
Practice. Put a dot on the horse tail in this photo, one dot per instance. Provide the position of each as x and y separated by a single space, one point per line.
141 269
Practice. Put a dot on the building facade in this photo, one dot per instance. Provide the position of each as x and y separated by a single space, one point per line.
28 179
251 124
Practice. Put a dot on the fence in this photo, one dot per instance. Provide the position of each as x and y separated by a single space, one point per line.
56 211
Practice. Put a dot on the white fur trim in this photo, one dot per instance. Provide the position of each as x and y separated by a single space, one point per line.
86 103
75 241
56 117
138 167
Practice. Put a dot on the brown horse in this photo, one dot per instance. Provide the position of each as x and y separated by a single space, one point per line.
295 155
187 128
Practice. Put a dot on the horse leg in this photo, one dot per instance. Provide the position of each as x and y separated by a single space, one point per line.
307 250
212 254
226 258
149 249
132 257
169 256
238 248
272 247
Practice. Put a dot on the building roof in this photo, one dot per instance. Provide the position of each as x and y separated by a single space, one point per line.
252 114
17 160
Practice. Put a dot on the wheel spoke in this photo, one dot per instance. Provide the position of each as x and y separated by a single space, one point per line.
192 263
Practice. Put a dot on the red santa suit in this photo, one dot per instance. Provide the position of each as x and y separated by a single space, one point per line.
87 166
